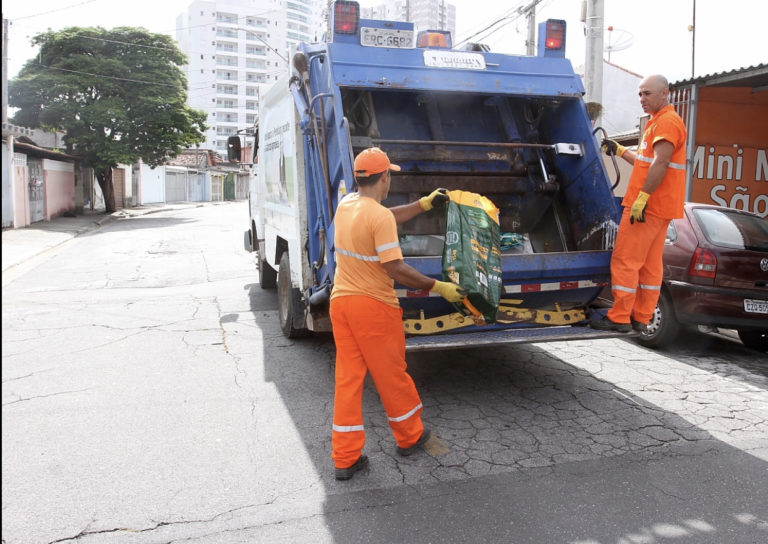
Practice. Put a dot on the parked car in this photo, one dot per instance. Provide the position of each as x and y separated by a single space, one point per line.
715 274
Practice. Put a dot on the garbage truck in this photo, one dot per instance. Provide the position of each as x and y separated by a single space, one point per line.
512 128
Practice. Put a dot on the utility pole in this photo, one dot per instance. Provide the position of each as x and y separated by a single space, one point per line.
530 44
593 70
5 70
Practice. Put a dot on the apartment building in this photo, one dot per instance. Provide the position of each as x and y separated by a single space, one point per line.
235 46
424 14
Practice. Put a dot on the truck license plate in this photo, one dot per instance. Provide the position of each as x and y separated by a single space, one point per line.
756 306
386 37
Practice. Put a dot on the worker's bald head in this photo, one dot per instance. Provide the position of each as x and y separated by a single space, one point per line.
654 93
656 81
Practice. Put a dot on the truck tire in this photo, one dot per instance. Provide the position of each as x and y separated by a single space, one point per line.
267 274
289 306
755 339
663 328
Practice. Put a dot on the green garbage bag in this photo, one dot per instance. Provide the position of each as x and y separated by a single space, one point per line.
472 255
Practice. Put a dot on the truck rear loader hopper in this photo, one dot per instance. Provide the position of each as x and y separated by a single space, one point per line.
512 128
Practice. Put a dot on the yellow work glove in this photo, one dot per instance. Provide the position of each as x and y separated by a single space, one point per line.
436 199
637 213
449 291
612 147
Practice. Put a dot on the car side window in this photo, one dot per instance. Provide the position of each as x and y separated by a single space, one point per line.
671 233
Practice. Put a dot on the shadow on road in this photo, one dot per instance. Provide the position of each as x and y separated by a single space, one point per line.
531 449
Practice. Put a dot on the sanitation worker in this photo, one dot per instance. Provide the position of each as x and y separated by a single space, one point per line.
366 316
654 196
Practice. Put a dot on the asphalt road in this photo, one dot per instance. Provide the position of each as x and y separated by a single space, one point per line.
149 397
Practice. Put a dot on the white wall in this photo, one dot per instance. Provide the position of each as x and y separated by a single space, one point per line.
151 184
621 105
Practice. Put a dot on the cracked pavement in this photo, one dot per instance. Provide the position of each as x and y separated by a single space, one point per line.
149 396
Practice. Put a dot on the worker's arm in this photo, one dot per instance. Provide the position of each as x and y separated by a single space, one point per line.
406 212
410 277
406 275
662 155
436 199
629 156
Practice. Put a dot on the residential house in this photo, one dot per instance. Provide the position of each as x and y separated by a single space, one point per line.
39 182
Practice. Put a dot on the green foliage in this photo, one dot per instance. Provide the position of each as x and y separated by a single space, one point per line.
120 95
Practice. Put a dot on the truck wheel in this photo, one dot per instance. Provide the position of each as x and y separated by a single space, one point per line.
267 274
664 327
290 308
755 339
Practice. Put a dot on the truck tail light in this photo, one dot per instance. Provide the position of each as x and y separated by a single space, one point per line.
434 39
346 15
555 35
703 264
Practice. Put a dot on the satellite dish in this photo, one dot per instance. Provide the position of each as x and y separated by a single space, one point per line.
618 40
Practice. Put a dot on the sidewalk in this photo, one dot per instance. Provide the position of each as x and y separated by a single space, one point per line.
19 245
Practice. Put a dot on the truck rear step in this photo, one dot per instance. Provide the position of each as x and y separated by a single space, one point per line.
509 336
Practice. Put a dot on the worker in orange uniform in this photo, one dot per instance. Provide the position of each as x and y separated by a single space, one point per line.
366 315
654 196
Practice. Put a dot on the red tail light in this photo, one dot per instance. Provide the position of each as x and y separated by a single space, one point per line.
555 35
703 264
345 17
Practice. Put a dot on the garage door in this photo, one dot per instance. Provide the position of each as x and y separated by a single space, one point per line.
175 187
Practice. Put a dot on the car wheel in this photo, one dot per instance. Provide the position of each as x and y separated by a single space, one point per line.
267 274
290 306
755 339
664 327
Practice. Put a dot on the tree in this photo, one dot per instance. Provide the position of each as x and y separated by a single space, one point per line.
120 96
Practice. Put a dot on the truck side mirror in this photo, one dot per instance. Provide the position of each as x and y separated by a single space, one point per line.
233 149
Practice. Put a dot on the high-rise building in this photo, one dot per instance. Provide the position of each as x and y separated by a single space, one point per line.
233 47
424 14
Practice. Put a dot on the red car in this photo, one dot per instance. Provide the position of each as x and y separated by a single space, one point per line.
715 274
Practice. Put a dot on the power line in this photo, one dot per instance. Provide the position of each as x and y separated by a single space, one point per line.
54 10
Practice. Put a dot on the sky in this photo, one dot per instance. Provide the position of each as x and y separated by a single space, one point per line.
729 34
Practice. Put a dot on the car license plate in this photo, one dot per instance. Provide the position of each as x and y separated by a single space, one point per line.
756 306
386 37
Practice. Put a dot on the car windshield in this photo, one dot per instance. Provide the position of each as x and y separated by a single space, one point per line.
731 229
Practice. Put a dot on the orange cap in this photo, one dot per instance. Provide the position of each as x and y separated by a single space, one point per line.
373 161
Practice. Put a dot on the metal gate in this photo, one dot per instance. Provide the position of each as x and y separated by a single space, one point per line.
36 191
196 186
118 184
175 187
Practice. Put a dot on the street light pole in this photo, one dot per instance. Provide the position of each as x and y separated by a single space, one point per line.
693 42
593 70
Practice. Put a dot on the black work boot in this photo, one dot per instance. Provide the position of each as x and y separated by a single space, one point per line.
606 324
405 452
347 473
639 327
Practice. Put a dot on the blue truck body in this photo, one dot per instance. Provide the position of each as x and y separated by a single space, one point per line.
512 128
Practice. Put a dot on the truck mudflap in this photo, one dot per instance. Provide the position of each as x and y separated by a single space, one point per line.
509 336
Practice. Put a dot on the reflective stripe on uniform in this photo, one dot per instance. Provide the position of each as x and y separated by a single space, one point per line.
649 160
369 258
384 247
650 287
622 288
407 415
348 428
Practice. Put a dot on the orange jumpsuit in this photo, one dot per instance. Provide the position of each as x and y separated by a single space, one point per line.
368 329
636 265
